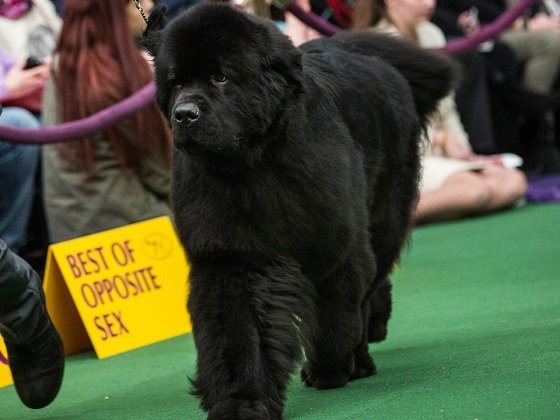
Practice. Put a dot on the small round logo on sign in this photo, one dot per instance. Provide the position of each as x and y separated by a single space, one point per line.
157 246
3 359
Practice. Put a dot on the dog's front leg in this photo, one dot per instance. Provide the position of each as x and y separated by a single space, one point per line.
245 324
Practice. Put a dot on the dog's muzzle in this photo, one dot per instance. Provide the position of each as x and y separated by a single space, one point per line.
186 113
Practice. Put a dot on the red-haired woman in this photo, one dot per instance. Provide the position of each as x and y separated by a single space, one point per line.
121 175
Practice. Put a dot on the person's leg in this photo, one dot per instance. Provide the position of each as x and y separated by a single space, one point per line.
18 166
473 103
540 51
35 350
471 193
462 194
506 186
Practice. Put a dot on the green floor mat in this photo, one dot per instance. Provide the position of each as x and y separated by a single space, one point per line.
475 334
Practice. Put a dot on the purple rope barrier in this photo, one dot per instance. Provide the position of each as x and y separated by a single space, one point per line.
456 46
83 127
312 20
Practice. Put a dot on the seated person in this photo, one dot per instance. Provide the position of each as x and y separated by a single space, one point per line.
522 67
18 163
455 182
119 176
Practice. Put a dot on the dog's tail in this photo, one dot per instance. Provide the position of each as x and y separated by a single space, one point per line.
430 74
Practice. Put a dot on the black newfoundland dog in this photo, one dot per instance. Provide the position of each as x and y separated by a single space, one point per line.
295 174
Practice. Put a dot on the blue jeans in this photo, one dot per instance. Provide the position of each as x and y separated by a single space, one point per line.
18 167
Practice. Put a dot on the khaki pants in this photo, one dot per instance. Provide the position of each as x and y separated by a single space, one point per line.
539 51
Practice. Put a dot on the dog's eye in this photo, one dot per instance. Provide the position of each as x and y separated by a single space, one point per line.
219 78
173 83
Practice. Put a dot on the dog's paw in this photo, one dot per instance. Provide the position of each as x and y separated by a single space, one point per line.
323 380
377 331
238 409
363 366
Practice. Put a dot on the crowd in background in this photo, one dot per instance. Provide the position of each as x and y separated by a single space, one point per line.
62 60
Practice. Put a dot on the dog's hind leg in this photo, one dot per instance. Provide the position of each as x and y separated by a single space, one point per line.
338 352
246 320
380 311
390 227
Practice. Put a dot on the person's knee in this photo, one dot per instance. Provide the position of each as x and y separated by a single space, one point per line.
548 43
19 117
507 186
477 196
515 184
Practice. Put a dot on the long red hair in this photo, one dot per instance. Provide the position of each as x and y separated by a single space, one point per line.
98 65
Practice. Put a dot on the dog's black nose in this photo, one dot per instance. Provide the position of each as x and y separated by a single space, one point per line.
187 113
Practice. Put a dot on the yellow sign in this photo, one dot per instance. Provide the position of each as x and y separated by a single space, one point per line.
5 375
119 289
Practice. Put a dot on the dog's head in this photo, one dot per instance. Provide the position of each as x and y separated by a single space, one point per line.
223 77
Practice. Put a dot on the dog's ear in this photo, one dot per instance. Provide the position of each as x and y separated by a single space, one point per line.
285 59
288 63
151 39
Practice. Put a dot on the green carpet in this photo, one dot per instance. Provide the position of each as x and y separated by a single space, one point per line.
475 335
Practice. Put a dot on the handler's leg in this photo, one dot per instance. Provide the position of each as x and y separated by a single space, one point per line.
35 350
246 332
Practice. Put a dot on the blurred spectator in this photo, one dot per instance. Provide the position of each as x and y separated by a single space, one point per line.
298 31
121 175
455 182
18 167
59 5
527 52
176 7
535 40
22 82
18 163
28 28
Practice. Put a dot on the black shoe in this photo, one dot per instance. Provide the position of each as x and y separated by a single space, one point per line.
35 350
38 366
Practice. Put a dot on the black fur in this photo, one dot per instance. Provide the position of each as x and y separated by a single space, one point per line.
295 174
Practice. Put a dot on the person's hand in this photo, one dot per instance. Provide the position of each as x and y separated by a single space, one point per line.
542 21
495 160
450 146
442 141
20 81
458 150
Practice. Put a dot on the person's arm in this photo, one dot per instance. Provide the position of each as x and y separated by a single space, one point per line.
449 135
